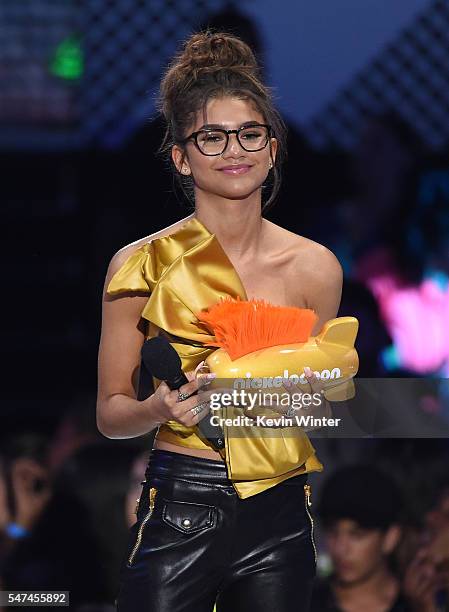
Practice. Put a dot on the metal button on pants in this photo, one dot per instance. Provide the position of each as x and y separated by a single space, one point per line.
196 542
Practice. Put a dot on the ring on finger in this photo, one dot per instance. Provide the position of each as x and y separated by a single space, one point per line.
199 408
182 396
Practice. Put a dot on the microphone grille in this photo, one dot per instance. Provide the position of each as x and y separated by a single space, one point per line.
161 359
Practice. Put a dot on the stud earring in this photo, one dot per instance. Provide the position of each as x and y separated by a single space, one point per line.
185 171
270 166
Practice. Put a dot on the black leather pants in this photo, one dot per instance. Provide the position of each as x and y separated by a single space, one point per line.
196 542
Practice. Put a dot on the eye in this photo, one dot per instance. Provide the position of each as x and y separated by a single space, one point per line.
211 137
251 135
254 134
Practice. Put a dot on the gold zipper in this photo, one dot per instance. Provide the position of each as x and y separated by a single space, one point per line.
147 517
308 492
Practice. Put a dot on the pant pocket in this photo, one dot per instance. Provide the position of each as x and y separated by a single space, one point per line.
164 522
188 517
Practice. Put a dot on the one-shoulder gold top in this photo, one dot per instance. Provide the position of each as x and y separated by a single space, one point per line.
183 273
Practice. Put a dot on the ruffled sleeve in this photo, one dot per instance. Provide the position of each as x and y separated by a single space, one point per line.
136 274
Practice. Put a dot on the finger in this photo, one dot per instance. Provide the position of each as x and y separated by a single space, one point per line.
420 557
309 376
205 413
316 385
206 393
200 377
425 588
188 388
219 402
199 367
173 401
415 574
288 384
190 375
204 379
314 381
426 578
190 418
291 387
163 389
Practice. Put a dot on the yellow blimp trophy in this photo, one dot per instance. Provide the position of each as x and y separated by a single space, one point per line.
265 340
263 348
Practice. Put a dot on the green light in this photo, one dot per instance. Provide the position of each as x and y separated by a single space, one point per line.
67 62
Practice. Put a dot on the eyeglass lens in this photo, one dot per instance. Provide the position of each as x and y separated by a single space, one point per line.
214 142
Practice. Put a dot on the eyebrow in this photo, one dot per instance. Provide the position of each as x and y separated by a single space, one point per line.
219 126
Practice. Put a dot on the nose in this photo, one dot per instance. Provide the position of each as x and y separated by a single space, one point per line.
341 547
234 148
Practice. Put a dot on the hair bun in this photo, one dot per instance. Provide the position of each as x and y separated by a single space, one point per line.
208 51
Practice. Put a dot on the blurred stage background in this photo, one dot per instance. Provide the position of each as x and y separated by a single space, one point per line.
364 88
366 96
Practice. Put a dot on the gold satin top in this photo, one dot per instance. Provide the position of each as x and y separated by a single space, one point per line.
183 273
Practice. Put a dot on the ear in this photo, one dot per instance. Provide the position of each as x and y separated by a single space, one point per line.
273 149
179 157
391 539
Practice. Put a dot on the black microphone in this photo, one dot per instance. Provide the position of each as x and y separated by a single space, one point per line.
161 360
145 387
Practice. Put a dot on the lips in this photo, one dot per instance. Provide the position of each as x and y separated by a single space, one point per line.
235 170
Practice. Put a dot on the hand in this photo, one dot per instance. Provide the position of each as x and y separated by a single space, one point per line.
420 582
29 500
166 407
5 516
317 386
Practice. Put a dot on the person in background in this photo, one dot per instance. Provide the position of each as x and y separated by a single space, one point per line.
25 488
70 546
360 512
420 465
426 575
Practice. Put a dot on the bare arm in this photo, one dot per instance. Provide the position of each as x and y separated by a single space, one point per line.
324 297
325 288
119 413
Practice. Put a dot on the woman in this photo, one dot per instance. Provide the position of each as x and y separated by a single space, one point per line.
207 531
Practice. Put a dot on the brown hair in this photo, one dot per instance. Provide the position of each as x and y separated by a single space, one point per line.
214 65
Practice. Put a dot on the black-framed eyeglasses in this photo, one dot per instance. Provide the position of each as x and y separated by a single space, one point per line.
214 141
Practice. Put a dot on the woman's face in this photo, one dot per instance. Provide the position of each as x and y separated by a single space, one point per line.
236 173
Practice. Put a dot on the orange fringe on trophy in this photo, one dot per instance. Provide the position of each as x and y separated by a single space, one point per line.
242 327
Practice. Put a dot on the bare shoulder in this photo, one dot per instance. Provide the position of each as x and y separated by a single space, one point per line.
119 258
313 273
309 254
321 260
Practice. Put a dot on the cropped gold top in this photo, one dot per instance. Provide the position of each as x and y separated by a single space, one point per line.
183 273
